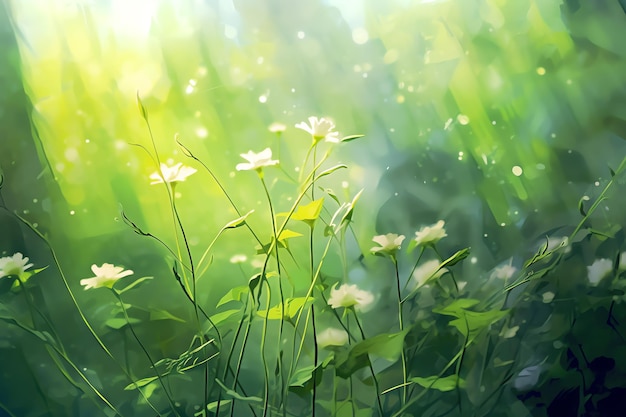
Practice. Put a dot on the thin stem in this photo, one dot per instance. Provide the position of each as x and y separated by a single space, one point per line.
401 324
145 350
376 386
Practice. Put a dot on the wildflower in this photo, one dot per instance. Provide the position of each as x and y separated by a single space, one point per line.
256 160
349 296
320 129
504 272
13 265
106 276
429 235
389 243
238 259
332 337
428 271
172 175
277 127
598 270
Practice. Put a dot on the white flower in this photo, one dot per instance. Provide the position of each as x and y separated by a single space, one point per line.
332 337
598 270
430 234
238 259
106 276
389 243
349 296
320 129
504 272
277 127
171 175
427 271
256 160
13 265
547 297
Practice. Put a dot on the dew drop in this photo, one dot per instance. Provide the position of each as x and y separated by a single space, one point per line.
517 171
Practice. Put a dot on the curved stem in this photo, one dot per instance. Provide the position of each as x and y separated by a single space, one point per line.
401 324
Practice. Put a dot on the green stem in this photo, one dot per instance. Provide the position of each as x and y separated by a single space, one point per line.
401 323
376 386
145 351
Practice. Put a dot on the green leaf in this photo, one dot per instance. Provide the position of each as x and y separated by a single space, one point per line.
292 306
330 171
456 258
302 376
254 282
164 315
134 284
351 138
457 307
444 384
234 294
234 394
581 207
387 345
471 323
330 193
287 234
142 109
238 222
212 407
223 316
309 212
118 322
140 383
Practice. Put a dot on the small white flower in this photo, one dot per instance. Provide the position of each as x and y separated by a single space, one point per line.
256 160
173 174
238 259
427 271
598 270
13 265
320 129
332 337
430 234
504 272
106 276
547 296
389 243
349 296
277 127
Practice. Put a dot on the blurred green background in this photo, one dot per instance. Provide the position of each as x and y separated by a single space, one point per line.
495 115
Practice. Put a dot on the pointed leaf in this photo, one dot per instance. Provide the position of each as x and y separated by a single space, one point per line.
308 213
236 395
238 222
443 384
118 322
134 284
142 109
164 315
223 316
456 258
140 383
351 138
234 294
